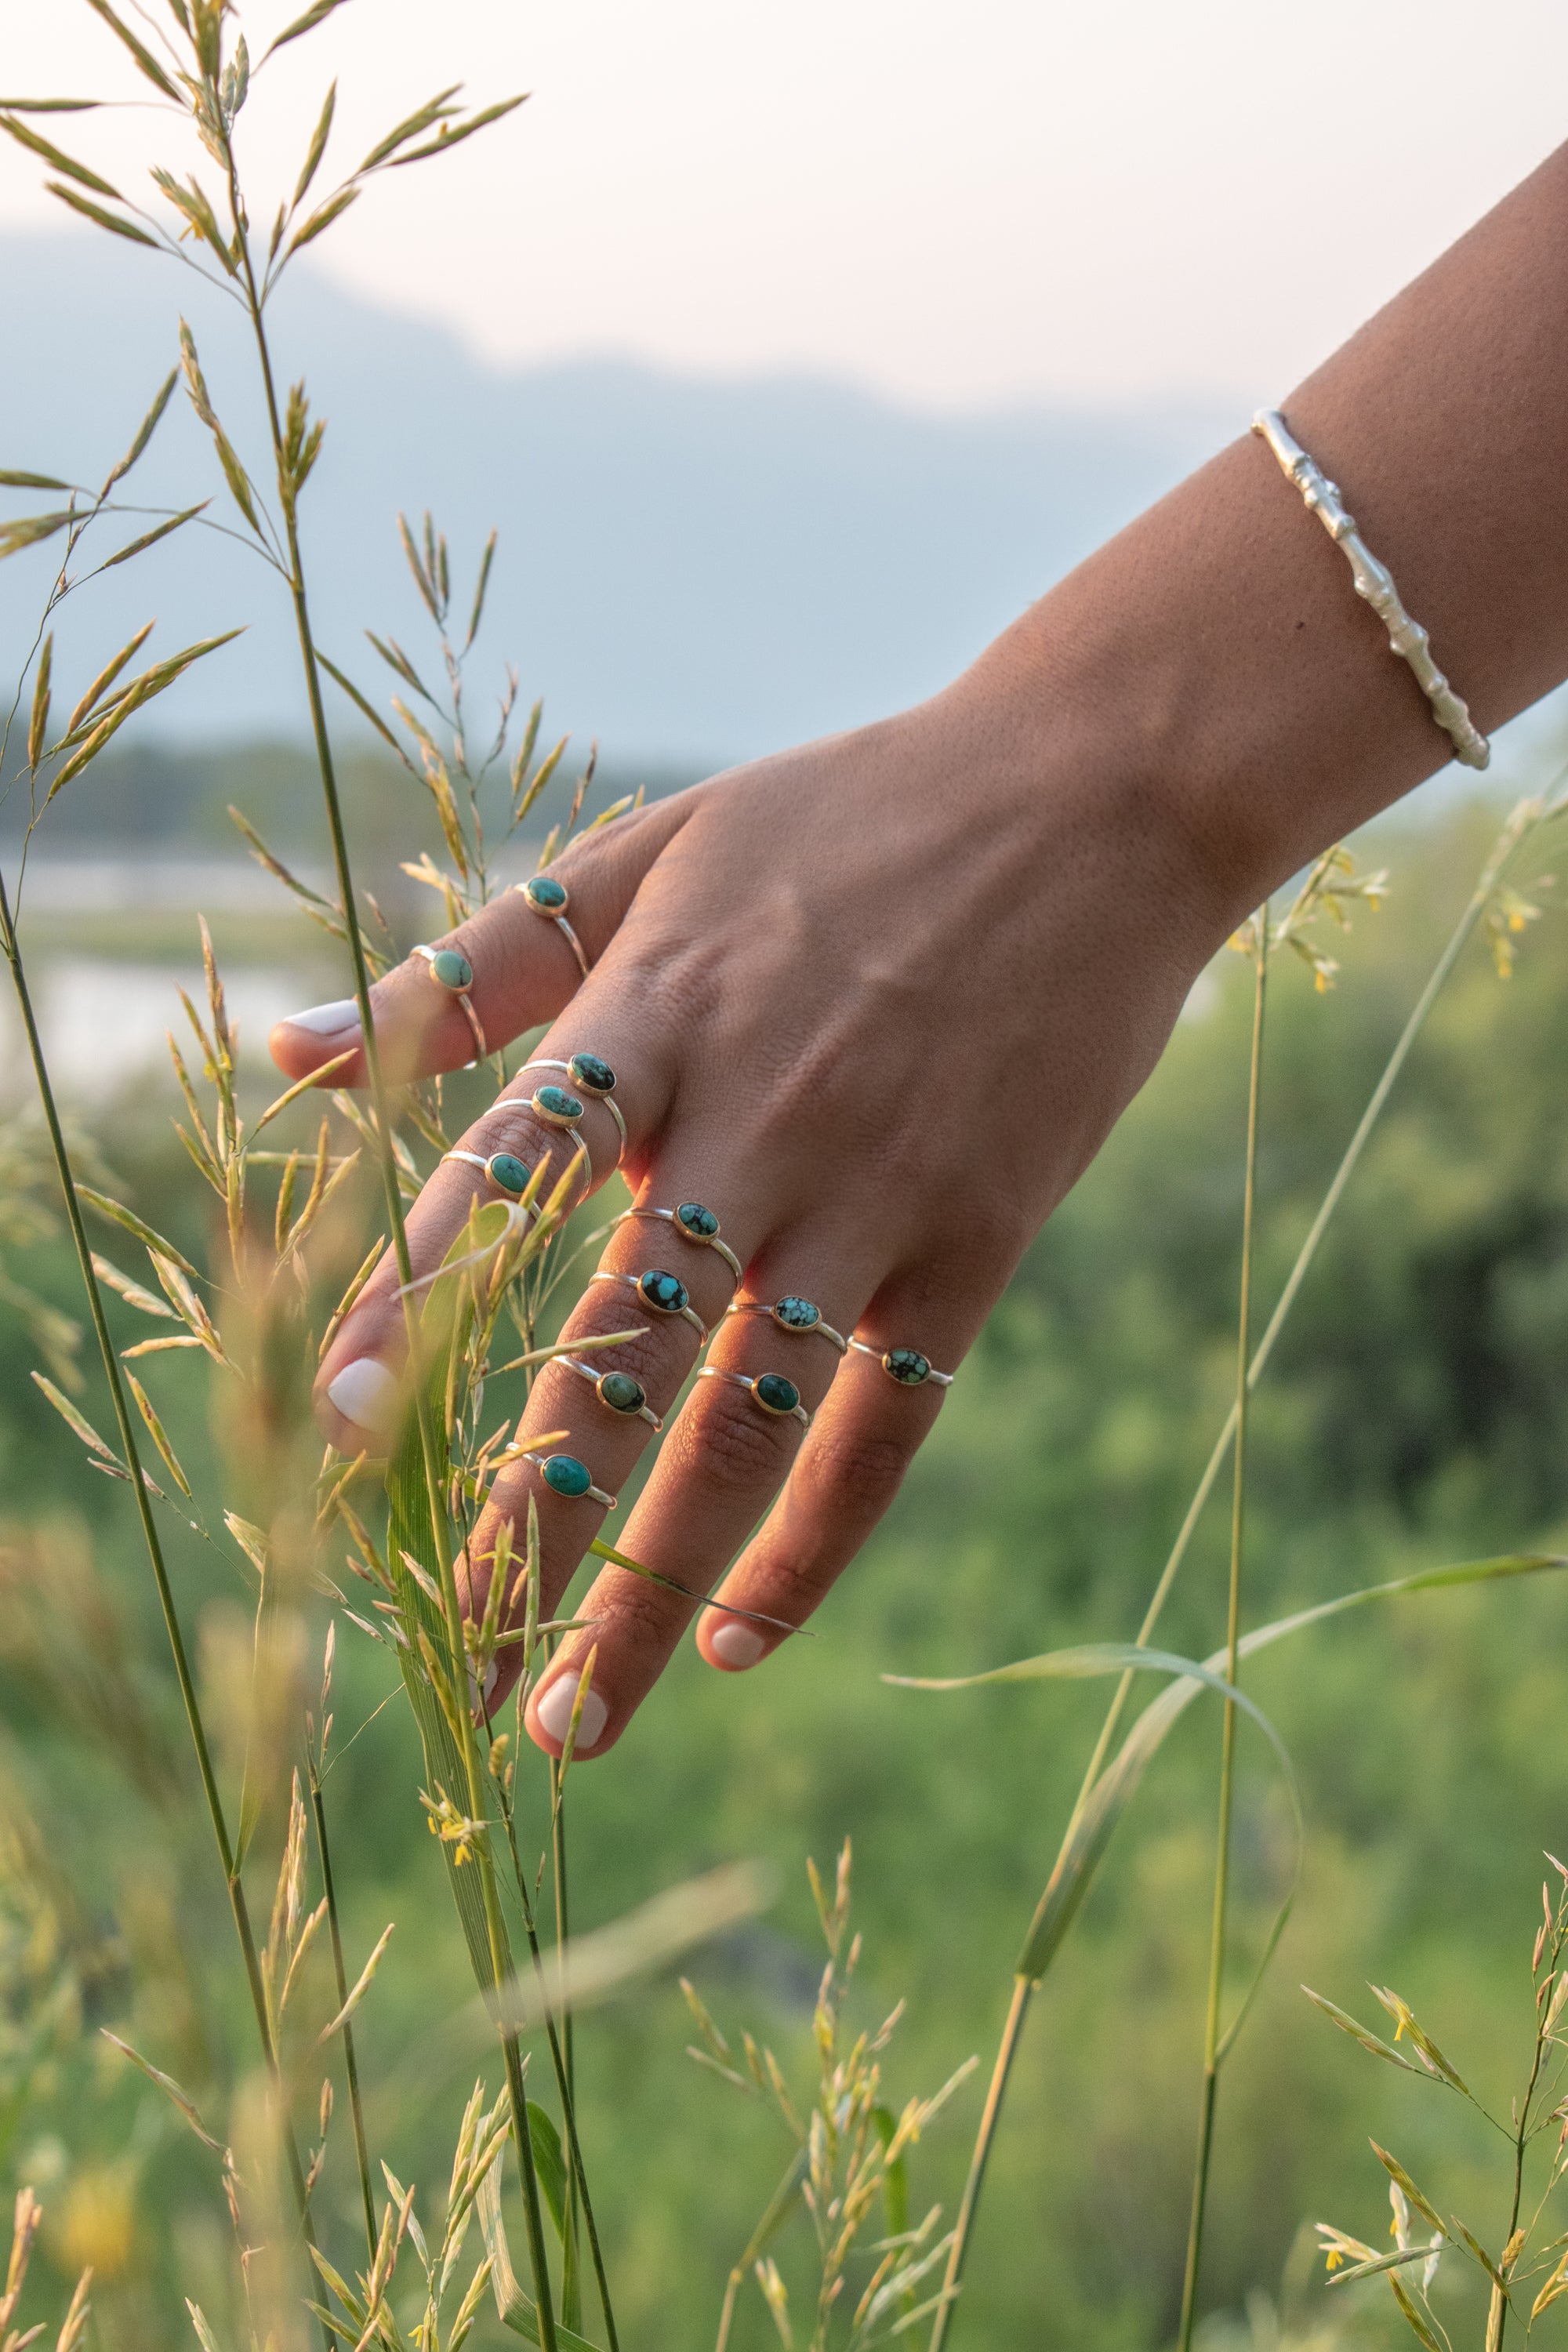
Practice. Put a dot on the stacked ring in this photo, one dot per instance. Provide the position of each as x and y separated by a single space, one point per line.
618 1391
792 1314
594 1077
505 1171
454 973
660 1291
770 1391
905 1366
549 897
693 1223
558 1108
565 1474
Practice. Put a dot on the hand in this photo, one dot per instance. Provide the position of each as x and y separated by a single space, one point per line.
876 1003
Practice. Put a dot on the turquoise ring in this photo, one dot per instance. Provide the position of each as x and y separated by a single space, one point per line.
906 1366
662 1291
450 969
771 1393
792 1314
509 1175
695 1223
551 898
618 1391
565 1474
593 1078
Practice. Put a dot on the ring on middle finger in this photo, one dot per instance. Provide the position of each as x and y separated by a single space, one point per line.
771 1393
623 1396
793 1314
662 1291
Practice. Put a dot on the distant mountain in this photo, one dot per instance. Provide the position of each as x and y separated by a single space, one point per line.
692 571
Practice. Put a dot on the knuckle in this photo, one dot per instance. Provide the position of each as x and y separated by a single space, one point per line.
730 1447
656 1356
643 1616
860 1468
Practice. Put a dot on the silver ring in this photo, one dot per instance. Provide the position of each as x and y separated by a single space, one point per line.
771 1393
635 1407
450 969
572 1480
695 1223
593 1078
502 1168
550 899
558 1108
906 1366
793 1314
667 1304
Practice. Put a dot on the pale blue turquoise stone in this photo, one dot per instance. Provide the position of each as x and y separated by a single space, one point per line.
566 1474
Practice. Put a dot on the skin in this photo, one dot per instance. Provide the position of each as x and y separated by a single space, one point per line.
879 1000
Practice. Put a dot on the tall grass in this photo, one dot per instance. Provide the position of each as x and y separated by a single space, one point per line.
288 1260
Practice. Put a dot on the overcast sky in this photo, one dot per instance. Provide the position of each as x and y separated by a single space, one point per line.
960 201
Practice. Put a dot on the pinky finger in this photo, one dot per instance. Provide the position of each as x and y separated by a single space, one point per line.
863 1439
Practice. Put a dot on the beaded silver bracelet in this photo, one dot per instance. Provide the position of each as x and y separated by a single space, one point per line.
1375 582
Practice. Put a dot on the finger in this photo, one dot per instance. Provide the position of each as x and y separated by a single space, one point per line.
521 968
358 1394
606 1427
725 1460
850 1468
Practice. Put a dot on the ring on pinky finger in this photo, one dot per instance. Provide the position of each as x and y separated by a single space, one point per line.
771 1393
565 1476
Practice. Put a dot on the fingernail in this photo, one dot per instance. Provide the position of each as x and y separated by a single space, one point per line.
556 1713
366 1393
325 1020
735 1645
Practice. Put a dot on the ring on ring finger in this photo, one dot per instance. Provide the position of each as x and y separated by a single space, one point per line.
565 1476
771 1393
662 1291
624 1396
694 1223
452 972
905 1367
793 1314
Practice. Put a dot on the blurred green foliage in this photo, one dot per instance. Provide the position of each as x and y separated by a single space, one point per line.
1416 1412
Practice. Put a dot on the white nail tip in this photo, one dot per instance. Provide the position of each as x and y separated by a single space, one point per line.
735 1644
326 1020
555 1713
366 1392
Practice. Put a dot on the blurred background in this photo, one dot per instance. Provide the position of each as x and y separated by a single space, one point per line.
792 355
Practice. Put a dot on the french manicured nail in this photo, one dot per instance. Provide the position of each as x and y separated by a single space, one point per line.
735 1645
366 1393
325 1020
556 1713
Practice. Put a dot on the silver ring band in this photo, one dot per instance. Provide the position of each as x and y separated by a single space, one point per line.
627 1411
578 1487
478 1160
574 1071
912 1371
682 1307
457 963
780 1409
689 1233
796 1315
548 898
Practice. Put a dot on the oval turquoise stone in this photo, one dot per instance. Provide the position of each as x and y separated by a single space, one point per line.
775 1394
797 1314
906 1366
566 1474
545 893
452 969
556 1103
587 1070
507 1173
662 1292
622 1393
699 1222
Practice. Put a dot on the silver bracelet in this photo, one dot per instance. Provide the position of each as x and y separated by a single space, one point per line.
1374 581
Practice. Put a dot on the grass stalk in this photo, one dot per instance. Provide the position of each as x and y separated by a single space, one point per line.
571 2301
500 1963
10 945
351 2062
1523 820
1212 2052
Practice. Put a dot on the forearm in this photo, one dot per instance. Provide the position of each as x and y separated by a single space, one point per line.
1217 642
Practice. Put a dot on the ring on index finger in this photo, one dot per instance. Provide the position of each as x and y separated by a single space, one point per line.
453 973
593 1078
551 898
